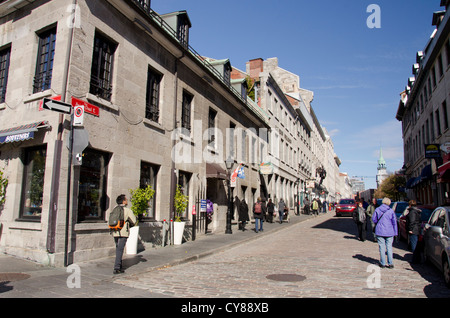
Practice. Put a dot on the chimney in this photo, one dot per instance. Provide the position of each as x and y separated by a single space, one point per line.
254 67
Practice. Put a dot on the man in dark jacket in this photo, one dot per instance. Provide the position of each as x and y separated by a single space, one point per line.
413 223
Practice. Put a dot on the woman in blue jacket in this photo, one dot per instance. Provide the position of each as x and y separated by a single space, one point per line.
385 230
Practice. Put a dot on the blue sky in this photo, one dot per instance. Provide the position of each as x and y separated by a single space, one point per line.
355 72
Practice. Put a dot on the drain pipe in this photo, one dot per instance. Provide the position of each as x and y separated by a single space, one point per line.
69 169
173 176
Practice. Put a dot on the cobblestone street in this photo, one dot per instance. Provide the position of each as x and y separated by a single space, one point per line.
319 257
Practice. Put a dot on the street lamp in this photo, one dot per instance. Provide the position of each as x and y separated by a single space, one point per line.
229 164
297 183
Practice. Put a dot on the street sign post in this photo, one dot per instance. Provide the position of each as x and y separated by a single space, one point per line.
57 106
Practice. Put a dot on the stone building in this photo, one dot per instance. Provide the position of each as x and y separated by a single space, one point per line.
156 113
423 111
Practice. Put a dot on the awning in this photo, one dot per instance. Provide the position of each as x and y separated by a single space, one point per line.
444 172
426 173
21 133
215 171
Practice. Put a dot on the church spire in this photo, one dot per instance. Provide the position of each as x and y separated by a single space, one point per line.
381 161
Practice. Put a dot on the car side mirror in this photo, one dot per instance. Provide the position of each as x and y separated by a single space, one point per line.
436 229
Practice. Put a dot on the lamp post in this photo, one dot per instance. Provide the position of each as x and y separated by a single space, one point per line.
229 164
297 183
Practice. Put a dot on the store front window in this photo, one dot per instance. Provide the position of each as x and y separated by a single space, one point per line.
92 196
149 174
33 183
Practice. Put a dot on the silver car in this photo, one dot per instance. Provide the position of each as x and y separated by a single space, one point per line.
437 241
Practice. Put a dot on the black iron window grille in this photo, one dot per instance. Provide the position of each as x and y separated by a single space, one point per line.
44 63
102 67
4 70
152 99
186 111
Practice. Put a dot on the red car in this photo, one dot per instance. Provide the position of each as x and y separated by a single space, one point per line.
425 215
345 207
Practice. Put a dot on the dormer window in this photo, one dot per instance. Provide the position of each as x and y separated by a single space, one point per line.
180 24
183 29
227 73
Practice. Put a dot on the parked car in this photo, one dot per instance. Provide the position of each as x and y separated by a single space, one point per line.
424 216
398 207
437 241
345 207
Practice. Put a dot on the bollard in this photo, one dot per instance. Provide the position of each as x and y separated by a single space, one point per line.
194 223
163 239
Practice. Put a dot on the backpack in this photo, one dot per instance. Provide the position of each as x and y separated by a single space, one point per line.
116 219
258 208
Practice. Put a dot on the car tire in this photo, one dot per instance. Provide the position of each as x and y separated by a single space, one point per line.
446 270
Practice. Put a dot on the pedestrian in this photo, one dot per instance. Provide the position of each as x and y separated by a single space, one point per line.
324 206
315 207
270 210
359 216
306 207
243 214
281 210
413 222
209 210
258 214
385 230
369 211
121 236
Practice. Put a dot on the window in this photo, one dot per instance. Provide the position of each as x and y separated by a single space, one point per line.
33 183
44 63
448 52
152 99
212 127
186 110
102 64
445 114
231 142
184 179
438 122
227 74
433 76
92 196
431 128
149 173
183 29
441 66
4 70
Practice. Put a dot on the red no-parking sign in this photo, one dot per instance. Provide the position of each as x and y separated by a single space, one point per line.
78 115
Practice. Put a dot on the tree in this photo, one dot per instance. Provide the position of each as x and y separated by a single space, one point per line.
3 185
391 188
250 88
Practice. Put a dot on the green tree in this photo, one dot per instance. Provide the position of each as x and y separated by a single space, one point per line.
3 185
140 198
181 202
391 188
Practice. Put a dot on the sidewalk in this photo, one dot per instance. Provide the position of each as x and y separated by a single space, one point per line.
26 279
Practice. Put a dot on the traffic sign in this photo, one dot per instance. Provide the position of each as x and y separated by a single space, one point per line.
56 106
78 115
88 108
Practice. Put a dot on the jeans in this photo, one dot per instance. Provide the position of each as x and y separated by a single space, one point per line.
260 221
413 241
385 243
281 216
120 246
